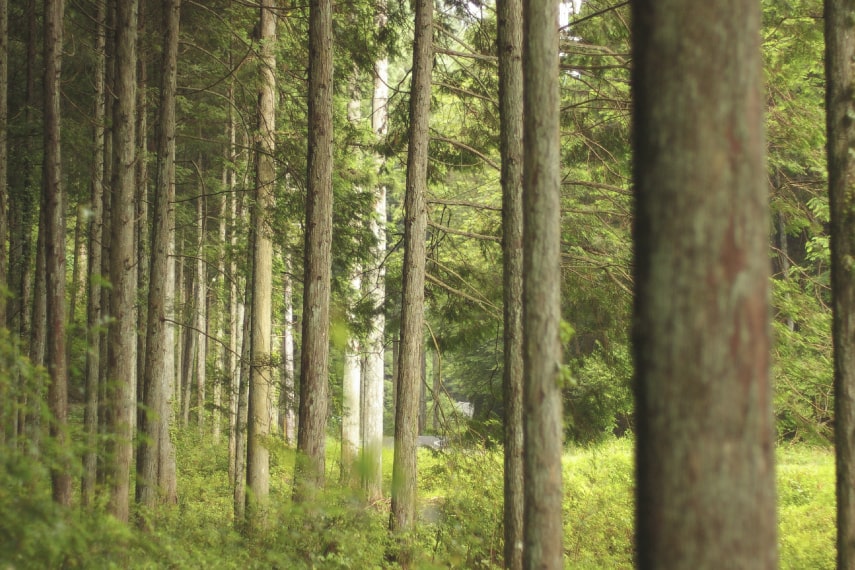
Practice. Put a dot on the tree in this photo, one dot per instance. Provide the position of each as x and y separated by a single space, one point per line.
158 372
4 156
840 80
261 376
317 264
404 468
510 35
52 204
704 461
121 357
542 524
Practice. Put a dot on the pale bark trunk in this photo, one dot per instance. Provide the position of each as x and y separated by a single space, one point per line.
52 203
404 470
840 78
242 413
158 369
543 529
510 42
705 487
351 397
235 325
261 380
314 355
201 308
93 305
287 415
436 374
121 336
224 327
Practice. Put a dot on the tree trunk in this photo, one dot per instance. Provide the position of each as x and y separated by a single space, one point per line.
543 530
52 203
201 307
287 417
235 325
404 470
158 372
121 336
4 160
705 451
840 79
373 376
314 355
510 42
351 397
93 304
242 414
261 380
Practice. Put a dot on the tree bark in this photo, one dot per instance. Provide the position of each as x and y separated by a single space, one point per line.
404 469
840 106
287 416
52 203
314 354
543 530
510 42
201 307
4 161
261 380
122 333
705 451
158 371
351 397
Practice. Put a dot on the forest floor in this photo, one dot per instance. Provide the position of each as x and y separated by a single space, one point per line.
460 494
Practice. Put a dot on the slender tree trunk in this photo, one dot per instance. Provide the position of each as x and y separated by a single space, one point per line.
404 469
705 453
840 80
373 376
287 417
201 308
243 413
543 530
121 337
143 230
351 398
157 371
4 161
235 325
510 42
314 354
436 373
225 358
189 338
261 380
52 203
93 305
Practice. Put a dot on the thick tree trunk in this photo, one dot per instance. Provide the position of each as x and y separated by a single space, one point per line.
543 530
93 304
4 161
510 42
158 371
261 381
52 203
705 451
404 470
122 333
840 106
314 354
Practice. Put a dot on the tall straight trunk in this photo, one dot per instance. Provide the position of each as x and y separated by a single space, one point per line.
510 42
243 411
543 530
4 159
201 309
121 336
287 417
436 374
314 353
167 476
373 376
261 380
93 303
157 371
705 491
840 80
78 264
38 319
143 230
351 398
224 323
52 203
404 468
188 347
234 324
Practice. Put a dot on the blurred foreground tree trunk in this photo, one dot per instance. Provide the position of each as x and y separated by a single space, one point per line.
705 452
840 109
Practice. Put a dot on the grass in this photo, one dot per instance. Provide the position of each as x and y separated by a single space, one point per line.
460 498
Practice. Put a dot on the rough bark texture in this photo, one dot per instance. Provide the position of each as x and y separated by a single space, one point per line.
314 354
121 356
242 414
4 157
287 415
201 307
543 530
404 468
705 463
52 202
93 305
158 371
261 378
510 37
840 109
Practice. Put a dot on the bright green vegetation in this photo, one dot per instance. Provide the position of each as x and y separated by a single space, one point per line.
461 498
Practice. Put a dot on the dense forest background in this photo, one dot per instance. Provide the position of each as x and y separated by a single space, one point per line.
209 185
